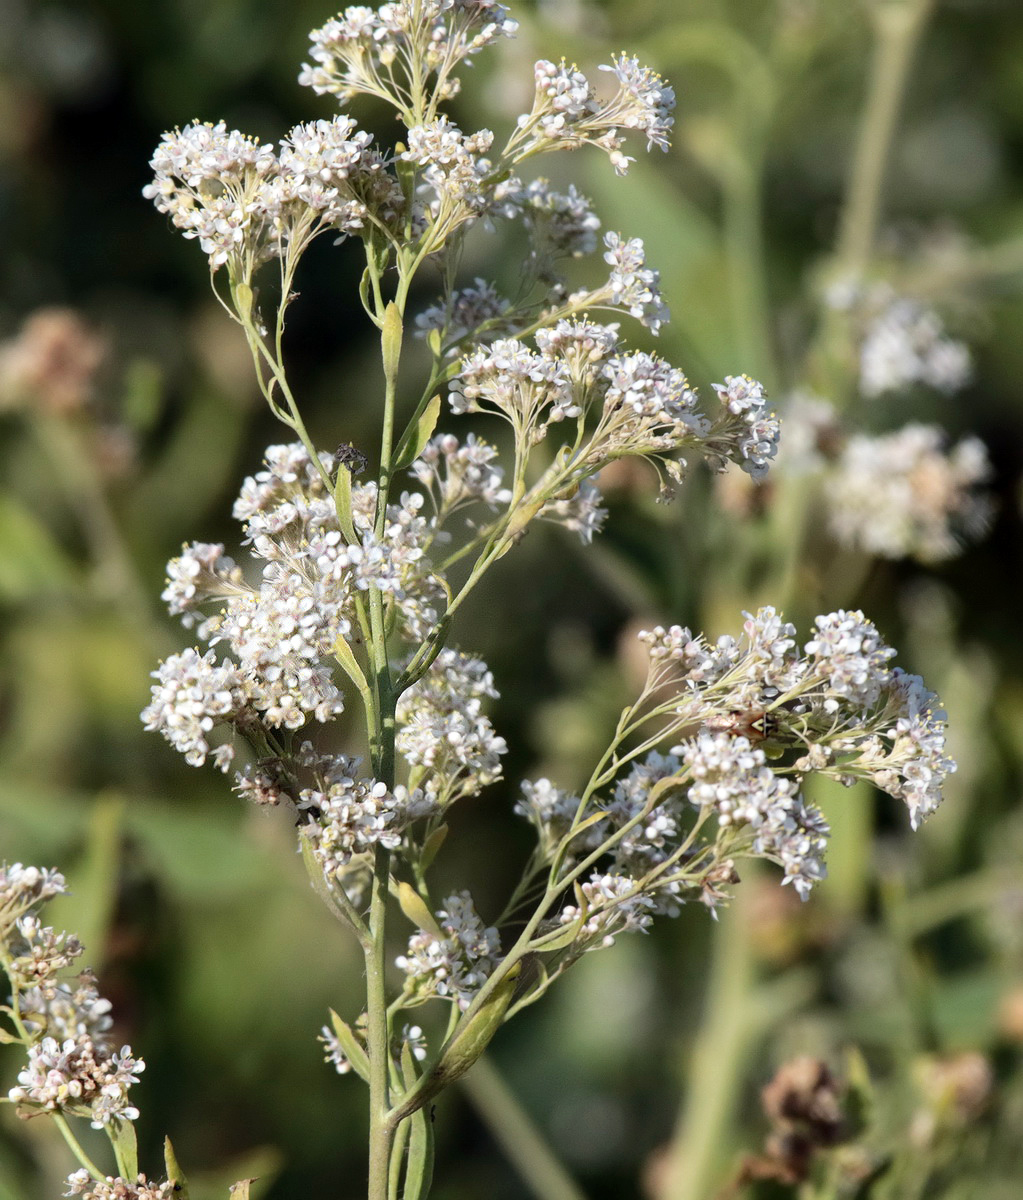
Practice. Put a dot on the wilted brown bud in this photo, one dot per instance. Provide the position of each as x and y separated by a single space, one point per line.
1010 1015
956 1089
52 363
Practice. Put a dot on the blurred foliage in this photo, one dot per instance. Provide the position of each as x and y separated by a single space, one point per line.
218 959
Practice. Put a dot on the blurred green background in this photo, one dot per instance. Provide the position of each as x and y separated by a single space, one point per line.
219 960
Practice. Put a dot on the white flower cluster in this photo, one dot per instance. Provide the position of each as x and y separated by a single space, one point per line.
731 778
560 224
244 203
363 50
632 285
334 1053
72 1065
36 952
282 633
456 964
454 170
581 512
63 1011
441 726
194 693
552 813
650 838
349 815
642 405
612 904
82 1184
567 113
22 887
839 704
905 495
464 312
754 428
457 474
76 1076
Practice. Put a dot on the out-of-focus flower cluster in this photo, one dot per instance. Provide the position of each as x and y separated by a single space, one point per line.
52 363
905 494
902 342
73 1066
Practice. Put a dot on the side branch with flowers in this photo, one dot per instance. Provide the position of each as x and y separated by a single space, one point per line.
353 591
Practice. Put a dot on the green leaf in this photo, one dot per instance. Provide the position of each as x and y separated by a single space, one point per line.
343 654
419 1165
414 907
475 1034
425 426
31 562
351 1045
390 341
432 845
175 1175
559 941
343 503
122 1138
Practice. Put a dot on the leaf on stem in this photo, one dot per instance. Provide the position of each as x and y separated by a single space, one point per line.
470 1041
390 341
122 1138
415 908
343 654
419 1163
425 426
432 845
352 1047
175 1176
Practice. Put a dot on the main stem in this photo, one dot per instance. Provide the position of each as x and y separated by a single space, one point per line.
897 31
381 1131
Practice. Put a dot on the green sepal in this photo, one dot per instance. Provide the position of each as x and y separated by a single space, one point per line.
432 845
425 426
415 908
175 1175
122 1138
351 1046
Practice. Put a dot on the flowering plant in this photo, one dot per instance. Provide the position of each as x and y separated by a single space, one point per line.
356 584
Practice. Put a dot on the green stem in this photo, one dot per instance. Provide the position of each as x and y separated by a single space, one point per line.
61 1122
744 244
715 1075
517 1134
380 1131
76 474
898 26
